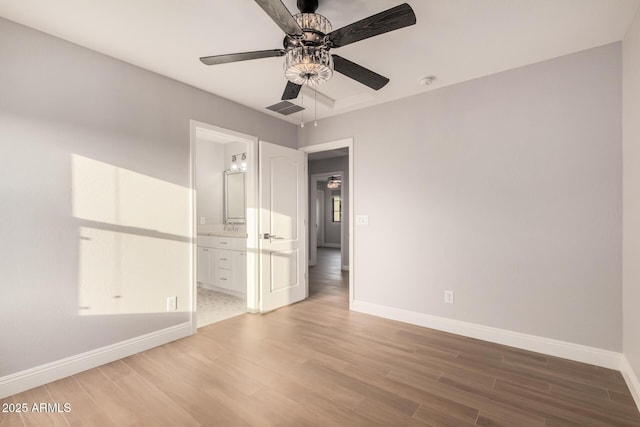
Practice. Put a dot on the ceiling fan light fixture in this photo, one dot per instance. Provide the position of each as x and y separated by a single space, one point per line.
308 65
313 22
308 39
307 61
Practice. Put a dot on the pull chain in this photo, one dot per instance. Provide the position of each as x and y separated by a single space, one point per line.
315 107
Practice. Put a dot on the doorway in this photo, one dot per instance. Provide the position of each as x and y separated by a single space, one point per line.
222 173
273 232
330 259
327 217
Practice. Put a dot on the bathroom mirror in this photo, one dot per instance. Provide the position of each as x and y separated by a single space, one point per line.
234 197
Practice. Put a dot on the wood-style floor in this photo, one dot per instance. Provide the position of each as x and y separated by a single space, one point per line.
317 364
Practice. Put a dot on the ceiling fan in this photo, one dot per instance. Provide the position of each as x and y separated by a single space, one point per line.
309 38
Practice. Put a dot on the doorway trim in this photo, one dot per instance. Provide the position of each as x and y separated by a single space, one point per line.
197 128
332 145
319 219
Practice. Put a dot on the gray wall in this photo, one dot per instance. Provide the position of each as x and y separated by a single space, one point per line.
334 165
94 188
631 185
505 189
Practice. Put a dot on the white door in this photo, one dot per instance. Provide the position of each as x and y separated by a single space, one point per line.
282 228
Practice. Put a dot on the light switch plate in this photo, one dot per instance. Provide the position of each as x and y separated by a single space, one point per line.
362 219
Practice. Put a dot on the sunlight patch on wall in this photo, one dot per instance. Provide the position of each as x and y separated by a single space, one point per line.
128 273
134 244
112 195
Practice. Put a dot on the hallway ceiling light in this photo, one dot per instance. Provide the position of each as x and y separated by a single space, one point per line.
334 183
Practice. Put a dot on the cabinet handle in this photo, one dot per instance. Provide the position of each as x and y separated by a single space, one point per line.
223 259
222 278
223 243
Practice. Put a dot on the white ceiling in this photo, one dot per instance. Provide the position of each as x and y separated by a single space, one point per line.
455 40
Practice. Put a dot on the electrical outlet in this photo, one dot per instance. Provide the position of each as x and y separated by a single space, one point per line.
448 297
172 303
203 220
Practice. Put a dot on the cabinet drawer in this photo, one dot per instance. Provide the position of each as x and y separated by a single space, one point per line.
219 242
223 259
231 243
224 242
223 278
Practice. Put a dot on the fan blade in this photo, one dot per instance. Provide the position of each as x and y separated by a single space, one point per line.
389 20
359 73
291 91
281 16
245 56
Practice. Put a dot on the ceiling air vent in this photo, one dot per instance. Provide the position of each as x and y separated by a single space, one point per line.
285 108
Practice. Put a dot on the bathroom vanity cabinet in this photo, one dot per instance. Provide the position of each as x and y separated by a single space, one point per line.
222 263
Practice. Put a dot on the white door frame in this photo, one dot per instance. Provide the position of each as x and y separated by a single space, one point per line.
342 143
319 219
200 129
313 241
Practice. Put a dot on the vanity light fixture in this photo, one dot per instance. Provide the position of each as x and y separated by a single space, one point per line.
243 162
334 183
239 166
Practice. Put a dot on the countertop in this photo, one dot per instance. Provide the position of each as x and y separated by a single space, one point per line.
225 234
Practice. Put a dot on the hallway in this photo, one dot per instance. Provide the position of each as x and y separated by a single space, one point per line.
326 279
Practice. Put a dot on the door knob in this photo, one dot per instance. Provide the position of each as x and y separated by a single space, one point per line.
271 236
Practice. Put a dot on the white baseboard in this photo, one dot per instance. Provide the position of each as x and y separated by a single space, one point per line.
40 375
345 267
580 353
631 379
